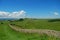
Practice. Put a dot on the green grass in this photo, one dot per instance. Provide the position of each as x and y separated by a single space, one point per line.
38 24
6 33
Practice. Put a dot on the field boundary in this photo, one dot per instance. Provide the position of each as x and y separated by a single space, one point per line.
39 31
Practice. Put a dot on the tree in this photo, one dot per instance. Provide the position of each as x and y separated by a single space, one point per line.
21 19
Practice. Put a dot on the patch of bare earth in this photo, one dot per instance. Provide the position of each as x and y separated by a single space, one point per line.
39 31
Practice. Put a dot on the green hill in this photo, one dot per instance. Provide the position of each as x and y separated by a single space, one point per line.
6 33
38 24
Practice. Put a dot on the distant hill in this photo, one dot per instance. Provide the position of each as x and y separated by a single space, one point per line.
7 18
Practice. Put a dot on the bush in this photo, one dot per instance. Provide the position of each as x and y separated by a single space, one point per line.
1 23
21 19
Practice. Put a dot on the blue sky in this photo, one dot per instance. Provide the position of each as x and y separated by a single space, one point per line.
33 8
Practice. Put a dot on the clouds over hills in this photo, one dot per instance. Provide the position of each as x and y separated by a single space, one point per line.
16 14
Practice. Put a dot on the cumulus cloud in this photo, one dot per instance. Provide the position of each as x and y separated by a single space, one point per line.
17 14
56 13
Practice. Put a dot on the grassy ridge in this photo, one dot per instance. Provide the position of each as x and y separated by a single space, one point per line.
6 33
38 24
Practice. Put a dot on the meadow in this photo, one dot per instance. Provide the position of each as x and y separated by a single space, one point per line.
53 24
6 33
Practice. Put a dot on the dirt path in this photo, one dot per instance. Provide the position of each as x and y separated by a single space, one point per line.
39 31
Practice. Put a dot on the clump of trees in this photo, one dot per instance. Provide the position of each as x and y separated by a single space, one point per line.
21 19
53 20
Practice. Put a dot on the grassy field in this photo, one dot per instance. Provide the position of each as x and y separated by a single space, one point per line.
6 33
38 24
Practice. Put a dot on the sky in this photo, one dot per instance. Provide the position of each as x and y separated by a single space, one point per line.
30 8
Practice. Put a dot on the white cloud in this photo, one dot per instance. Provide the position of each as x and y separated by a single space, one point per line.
56 13
18 14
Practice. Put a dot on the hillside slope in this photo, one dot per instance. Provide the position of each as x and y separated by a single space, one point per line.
6 33
38 24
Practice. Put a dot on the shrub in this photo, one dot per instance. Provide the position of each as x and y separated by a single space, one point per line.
21 19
